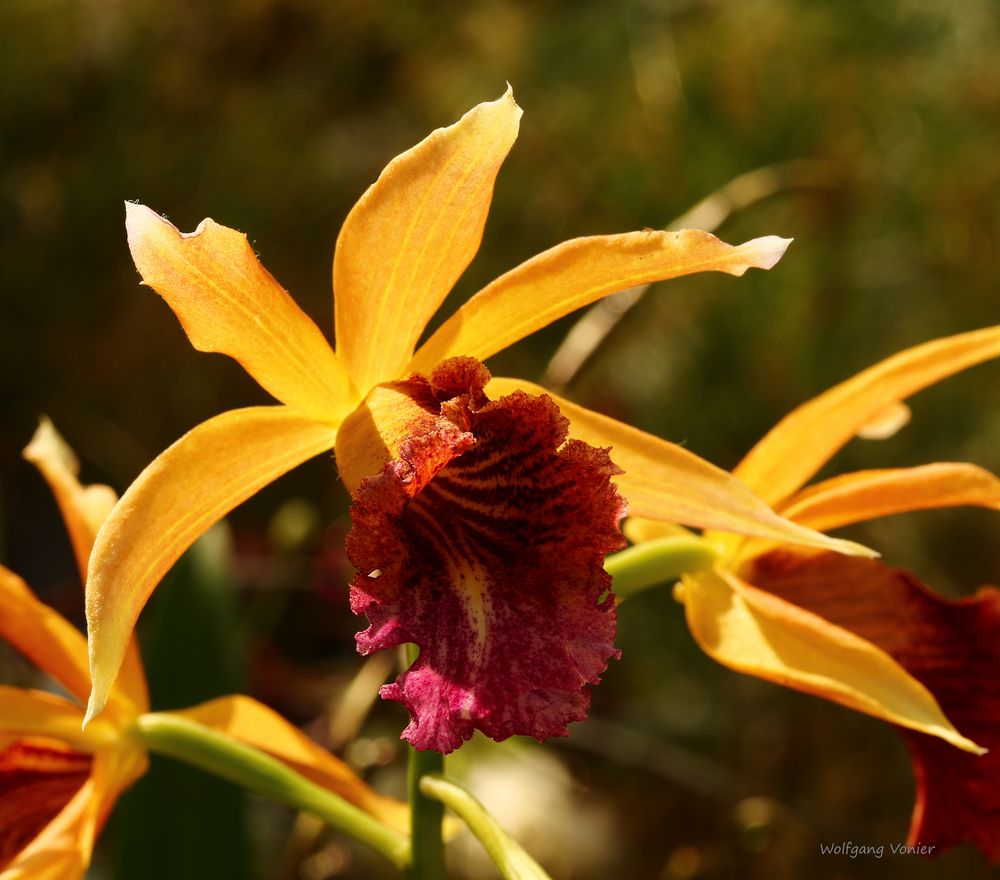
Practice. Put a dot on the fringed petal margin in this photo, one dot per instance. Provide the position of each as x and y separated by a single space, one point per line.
952 647
490 558
253 723
663 481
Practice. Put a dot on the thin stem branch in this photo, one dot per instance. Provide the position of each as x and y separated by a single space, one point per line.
507 854
258 772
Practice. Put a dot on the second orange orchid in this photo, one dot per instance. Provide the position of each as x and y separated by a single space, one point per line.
855 631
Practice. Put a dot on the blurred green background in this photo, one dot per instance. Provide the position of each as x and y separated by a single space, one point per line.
273 116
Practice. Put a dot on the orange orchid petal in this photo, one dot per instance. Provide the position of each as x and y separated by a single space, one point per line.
253 723
802 442
187 489
759 634
229 303
577 273
865 495
84 509
410 237
663 481
30 713
46 638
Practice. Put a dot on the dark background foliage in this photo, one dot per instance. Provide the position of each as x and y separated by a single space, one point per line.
272 116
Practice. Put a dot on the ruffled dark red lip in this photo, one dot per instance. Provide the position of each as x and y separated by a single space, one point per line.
483 542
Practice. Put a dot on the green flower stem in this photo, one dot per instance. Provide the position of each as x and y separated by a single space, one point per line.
658 561
507 854
258 772
427 814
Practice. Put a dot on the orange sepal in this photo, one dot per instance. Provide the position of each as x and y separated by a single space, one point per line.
175 500
579 272
410 237
83 509
864 495
229 303
801 443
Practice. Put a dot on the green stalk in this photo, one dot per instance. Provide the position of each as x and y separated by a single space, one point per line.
507 854
658 561
258 772
426 813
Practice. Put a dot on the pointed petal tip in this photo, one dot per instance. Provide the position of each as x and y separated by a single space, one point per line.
140 221
95 706
965 744
508 98
47 444
851 548
769 250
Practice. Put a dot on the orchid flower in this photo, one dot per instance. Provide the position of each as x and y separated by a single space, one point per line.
855 631
58 781
479 530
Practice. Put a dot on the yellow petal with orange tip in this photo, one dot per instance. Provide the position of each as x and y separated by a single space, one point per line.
254 724
757 633
577 273
229 303
174 501
411 235
84 509
801 443
865 495
665 482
